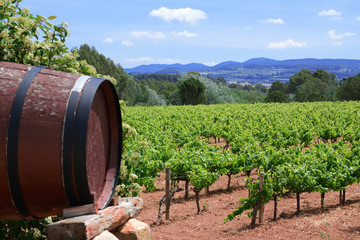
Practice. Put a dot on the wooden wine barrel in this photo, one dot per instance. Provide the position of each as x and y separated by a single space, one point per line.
60 141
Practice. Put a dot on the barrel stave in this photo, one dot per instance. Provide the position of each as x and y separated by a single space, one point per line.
11 76
40 144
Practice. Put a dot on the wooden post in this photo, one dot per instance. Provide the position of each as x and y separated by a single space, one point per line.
186 189
253 218
322 201
275 206
167 194
297 203
341 202
207 190
261 207
249 192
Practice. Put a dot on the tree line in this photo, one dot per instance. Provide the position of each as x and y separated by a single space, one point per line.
192 88
169 89
307 86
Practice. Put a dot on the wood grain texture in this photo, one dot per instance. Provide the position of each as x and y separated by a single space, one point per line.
10 77
40 141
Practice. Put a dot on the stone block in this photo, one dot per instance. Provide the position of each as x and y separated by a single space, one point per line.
106 235
133 205
133 230
88 226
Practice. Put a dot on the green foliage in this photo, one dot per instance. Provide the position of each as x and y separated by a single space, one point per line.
194 74
299 79
278 86
192 91
249 95
216 93
132 149
106 66
218 80
158 77
305 86
349 89
201 177
20 34
261 88
299 175
310 87
128 180
20 41
262 137
24 229
277 93
34 40
255 195
154 99
277 96
161 87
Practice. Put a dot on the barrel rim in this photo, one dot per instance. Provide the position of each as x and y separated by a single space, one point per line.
120 145
80 134
67 139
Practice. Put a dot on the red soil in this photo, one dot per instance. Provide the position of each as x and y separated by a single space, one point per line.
336 222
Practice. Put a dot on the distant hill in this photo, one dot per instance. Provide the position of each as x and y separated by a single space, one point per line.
163 68
261 61
257 70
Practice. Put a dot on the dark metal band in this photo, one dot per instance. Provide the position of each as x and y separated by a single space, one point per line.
13 137
119 124
74 143
80 134
69 121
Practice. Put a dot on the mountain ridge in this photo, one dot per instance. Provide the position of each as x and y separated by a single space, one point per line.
257 70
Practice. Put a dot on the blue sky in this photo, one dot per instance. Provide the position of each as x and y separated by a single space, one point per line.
135 32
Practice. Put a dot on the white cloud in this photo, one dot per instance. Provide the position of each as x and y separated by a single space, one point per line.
273 20
187 15
184 34
147 34
287 44
140 60
335 15
108 40
148 60
358 18
167 60
333 35
338 43
127 43
331 13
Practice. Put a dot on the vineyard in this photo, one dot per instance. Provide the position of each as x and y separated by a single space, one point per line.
300 148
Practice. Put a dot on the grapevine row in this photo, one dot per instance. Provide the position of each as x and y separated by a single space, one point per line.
301 147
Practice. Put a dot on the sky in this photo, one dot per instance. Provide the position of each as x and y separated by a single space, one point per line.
137 32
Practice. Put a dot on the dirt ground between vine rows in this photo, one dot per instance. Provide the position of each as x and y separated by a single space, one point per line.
336 222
